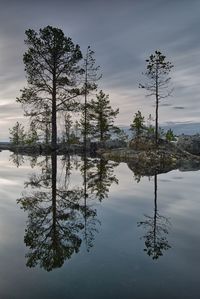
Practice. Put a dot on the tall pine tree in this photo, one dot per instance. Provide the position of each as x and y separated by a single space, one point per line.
52 68
157 85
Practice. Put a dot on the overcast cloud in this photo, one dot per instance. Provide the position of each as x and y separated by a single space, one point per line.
122 34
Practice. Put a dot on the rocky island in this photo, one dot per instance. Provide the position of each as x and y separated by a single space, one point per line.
143 156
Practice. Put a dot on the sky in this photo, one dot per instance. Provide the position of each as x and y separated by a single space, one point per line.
123 33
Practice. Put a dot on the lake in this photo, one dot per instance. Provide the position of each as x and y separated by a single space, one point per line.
87 228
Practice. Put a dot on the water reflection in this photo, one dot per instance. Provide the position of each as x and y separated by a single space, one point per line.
56 217
157 227
17 159
100 177
61 216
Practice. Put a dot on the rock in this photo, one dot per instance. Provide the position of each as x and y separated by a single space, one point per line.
142 143
190 143
154 160
115 143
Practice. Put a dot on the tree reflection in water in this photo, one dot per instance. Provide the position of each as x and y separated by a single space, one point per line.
17 159
157 227
55 218
60 217
101 177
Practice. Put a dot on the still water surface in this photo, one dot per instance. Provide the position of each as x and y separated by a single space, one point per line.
73 229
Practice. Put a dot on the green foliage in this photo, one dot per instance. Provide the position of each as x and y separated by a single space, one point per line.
49 53
32 136
170 135
138 124
158 67
85 125
53 74
102 117
17 134
70 133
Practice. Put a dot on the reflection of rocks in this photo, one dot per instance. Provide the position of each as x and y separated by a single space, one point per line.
148 168
167 157
189 166
189 143
62 148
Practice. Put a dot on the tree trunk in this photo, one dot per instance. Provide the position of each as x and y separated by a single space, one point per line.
85 117
155 213
54 208
156 131
85 104
54 117
157 101
101 129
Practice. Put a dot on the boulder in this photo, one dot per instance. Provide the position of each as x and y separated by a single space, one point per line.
109 144
165 157
115 143
142 143
189 143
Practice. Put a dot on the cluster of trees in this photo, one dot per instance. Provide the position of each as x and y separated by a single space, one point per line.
59 76
157 85
19 136
57 79
140 127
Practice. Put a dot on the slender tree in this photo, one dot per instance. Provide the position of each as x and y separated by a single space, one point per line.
137 125
102 116
90 84
68 127
32 136
52 68
170 135
17 134
157 73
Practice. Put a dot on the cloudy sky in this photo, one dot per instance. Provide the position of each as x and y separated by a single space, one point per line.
123 33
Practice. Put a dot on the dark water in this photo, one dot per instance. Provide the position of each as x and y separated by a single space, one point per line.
93 229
